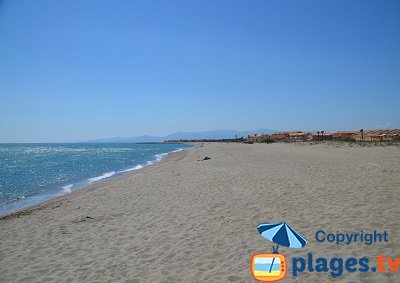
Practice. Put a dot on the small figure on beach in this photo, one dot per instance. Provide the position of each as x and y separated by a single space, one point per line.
205 158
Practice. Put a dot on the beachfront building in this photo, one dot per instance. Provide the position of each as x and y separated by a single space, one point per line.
259 138
380 135
280 136
291 136
369 135
345 135
321 136
299 136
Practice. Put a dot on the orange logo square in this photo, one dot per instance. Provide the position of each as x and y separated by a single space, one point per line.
268 267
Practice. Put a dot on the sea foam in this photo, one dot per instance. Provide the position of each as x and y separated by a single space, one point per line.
104 176
132 169
160 156
67 189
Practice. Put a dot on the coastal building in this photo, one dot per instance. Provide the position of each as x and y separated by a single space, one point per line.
321 136
280 136
299 136
259 138
345 135
380 135
291 136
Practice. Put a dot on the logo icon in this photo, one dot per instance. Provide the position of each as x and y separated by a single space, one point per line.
268 267
272 267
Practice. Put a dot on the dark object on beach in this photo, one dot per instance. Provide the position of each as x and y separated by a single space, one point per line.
205 158
82 219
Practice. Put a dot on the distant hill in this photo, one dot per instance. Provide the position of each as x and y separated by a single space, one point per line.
126 139
214 134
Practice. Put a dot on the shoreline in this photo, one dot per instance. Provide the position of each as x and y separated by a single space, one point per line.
183 220
23 210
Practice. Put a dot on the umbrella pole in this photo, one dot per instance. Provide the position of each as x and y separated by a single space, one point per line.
273 259
270 268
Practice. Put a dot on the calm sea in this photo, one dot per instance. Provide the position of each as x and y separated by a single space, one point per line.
33 173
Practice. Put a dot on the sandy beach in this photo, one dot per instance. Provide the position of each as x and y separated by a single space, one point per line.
184 220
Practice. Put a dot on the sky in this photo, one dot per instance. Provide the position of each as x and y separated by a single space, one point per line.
79 70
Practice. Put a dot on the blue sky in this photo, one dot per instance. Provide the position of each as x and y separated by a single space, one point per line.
76 70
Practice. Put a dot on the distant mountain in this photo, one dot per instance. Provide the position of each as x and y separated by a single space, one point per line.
215 134
127 139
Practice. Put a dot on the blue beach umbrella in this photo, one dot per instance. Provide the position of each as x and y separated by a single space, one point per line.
281 234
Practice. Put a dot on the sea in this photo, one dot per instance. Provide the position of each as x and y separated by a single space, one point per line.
33 173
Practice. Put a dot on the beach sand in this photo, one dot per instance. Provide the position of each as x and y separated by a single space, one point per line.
183 220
